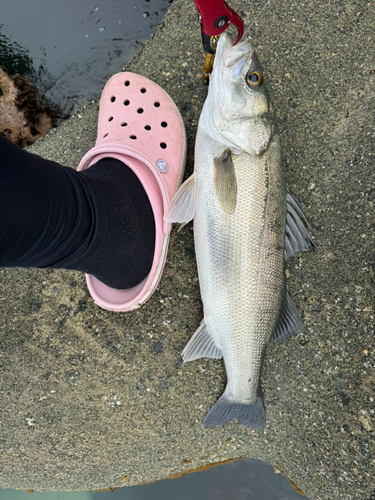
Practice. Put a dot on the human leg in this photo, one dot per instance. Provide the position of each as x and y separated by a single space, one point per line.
141 140
98 221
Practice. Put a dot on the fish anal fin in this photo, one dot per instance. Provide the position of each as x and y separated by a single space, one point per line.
201 345
225 181
298 232
289 324
182 206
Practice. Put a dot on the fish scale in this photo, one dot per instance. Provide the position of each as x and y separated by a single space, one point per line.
241 289
246 222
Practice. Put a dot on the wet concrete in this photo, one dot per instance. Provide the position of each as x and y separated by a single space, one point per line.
93 399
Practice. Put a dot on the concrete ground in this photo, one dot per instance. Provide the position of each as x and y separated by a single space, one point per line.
92 399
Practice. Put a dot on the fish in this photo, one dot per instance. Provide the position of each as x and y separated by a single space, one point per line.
247 223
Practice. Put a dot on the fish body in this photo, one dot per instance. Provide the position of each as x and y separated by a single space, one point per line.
241 207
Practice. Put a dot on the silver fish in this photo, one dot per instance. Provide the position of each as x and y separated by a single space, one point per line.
246 223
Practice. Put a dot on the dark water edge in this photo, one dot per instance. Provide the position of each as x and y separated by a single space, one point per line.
246 479
69 49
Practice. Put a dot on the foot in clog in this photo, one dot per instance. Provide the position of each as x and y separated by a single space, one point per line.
141 131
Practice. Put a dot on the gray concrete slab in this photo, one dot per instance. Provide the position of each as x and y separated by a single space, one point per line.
65 363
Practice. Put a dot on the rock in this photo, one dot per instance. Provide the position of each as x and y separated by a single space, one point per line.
24 117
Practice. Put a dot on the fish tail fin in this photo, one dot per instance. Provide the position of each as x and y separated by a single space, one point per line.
249 415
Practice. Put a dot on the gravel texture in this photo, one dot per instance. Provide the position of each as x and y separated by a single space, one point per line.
92 399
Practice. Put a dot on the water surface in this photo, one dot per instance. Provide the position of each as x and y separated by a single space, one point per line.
240 480
70 48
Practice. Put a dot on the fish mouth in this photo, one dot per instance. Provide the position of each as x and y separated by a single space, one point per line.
232 57
232 54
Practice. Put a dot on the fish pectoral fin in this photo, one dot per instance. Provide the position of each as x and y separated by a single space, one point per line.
182 206
298 232
225 181
289 324
201 345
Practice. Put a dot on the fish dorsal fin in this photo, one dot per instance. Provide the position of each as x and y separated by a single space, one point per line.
201 345
225 181
298 232
289 324
182 206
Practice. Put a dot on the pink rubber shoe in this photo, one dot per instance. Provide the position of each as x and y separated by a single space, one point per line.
140 125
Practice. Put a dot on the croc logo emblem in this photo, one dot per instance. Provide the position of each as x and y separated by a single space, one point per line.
162 166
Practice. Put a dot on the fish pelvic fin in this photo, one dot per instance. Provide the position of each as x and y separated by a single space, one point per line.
201 345
223 411
182 206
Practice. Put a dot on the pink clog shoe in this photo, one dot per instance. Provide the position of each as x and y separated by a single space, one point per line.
140 125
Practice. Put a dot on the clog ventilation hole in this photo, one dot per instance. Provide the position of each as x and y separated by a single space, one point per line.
140 111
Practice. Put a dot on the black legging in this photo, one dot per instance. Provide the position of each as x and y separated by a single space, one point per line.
98 221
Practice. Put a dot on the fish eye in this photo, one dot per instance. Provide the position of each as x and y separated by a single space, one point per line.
254 79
